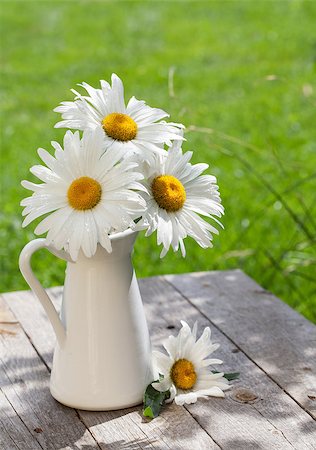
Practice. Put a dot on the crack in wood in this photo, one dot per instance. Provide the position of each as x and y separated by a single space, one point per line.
206 431
89 431
275 427
17 414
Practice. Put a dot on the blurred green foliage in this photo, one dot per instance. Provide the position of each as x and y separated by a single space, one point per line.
240 75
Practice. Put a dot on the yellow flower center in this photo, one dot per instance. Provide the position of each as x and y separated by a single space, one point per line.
168 192
183 374
84 193
120 127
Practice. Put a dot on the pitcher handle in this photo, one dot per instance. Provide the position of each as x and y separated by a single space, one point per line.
37 288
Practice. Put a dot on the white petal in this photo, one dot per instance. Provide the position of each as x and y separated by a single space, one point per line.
173 392
188 398
89 242
162 385
117 94
171 346
76 237
162 362
213 391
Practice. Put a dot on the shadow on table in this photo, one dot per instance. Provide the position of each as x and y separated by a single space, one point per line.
135 444
25 385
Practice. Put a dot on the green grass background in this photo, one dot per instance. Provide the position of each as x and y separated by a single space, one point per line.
243 74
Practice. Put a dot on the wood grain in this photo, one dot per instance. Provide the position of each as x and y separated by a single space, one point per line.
30 416
175 429
255 414
13 433
273 335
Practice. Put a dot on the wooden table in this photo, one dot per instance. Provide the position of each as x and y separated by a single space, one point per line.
271 406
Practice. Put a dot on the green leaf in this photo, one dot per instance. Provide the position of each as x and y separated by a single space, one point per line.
153 401
230 376
148 412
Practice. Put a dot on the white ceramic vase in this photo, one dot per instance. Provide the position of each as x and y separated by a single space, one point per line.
102 359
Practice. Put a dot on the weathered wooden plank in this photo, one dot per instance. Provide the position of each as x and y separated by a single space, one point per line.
174 429
13 433
8 323
256 412
31 417
273 335
112 429
271 420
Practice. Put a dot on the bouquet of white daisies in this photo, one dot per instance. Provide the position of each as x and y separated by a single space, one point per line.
125 170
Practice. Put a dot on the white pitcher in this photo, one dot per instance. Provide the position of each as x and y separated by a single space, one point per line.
102 359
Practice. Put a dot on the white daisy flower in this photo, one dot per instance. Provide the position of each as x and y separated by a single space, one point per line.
89 194
136 127
186 370
176 193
